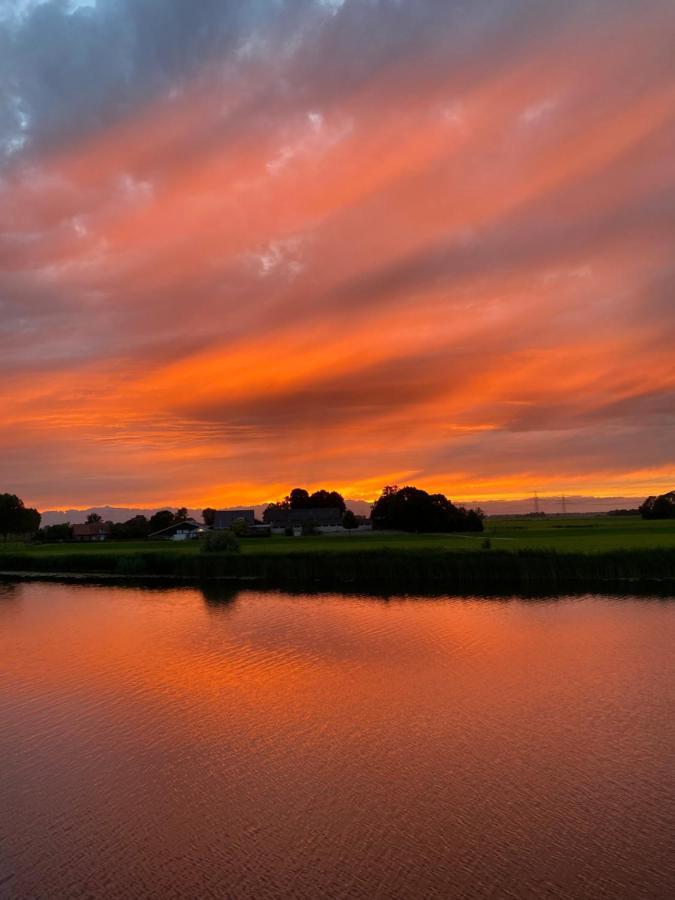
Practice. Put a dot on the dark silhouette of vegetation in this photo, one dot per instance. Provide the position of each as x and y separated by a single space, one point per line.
327 500
349 520
209 516
55 533
93 519
132 530
269 513
623 512
15 518
411 509
299 498
239 527
164 518
661 507
220 542
402 569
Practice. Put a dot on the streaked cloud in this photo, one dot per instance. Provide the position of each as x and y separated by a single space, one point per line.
246 245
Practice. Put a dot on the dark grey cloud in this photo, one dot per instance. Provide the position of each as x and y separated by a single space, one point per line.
67 69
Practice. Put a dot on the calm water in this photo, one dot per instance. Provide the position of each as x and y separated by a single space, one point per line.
165 744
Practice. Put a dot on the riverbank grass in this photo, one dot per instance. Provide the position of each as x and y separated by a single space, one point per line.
521 552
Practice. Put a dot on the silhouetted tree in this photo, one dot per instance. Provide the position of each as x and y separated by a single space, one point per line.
15 518
349 520
411 509
298 499
474 519
93 518
30 520
181 514
271 512
209 516
55 533
327 500
161 519
133 529
661 507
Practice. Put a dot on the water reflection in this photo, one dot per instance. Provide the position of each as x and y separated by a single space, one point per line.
9 590
218 597
183 742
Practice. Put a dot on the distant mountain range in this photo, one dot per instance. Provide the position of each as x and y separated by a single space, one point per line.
551 505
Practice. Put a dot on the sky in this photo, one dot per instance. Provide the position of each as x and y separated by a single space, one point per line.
346 243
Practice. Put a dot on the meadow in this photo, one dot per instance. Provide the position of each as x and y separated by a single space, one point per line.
513 553
583 534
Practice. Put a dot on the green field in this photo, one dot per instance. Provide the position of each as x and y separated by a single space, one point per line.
523 554
578 535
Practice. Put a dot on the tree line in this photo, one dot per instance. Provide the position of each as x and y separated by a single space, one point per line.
401 509
661 507
134 529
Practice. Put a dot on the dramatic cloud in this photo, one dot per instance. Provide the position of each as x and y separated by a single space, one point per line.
246 245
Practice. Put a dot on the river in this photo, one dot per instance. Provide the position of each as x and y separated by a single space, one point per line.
191 744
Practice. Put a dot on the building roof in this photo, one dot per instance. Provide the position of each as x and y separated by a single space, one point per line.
183 525
91 529
319 515
224 518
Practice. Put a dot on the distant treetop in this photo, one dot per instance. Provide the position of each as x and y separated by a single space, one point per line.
299 498
661 507
411 509
16 518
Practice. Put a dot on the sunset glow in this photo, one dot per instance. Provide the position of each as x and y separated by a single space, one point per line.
338 244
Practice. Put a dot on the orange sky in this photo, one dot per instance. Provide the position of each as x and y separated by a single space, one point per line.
340 245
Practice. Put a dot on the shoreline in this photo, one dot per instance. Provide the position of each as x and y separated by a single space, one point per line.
496 571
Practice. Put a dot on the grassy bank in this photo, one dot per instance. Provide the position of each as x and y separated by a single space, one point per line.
523 553
403 568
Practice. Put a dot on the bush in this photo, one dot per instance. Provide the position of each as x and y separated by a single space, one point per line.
240 528
288 531
220 542
486 543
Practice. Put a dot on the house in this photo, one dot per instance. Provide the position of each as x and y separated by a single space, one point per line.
186 530
225 518
320 517
91 531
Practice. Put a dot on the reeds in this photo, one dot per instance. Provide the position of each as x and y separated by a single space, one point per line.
402 568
